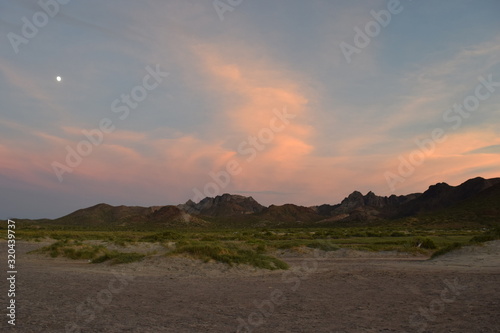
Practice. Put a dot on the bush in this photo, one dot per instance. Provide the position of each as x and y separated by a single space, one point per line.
163 236
487 236
229 254
95 253
261 248
103 258
125 258
424 243
287 244
119 257
323 245
72 249
449 248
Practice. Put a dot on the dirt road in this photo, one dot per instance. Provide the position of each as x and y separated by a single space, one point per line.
348 292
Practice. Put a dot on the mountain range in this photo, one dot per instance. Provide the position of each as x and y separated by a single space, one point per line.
473 203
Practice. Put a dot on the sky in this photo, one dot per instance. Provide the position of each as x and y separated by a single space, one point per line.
287 101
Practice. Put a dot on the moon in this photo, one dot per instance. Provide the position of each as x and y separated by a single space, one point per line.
58 78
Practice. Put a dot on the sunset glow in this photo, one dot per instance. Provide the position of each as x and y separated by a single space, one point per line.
158 99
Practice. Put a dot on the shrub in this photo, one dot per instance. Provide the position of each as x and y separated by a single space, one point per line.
487 236
119 257
103 258
446 249
424 243
287 244
323 245
229 254
95 253
72 250
163 236
261 248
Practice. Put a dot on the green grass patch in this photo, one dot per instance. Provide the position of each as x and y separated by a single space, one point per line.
163 236
446 249
323 245
72 249
487 236
77 250
119 257
424 243
230 254
250 245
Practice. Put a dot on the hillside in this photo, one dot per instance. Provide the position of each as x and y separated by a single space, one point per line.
223 205
103 214
473 203
479 209
442 195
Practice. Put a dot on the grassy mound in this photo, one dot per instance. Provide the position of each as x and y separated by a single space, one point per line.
230 254
119 257
163 236
446 249
73 249
487 236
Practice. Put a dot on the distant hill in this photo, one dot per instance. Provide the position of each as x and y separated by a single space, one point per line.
442 195
364 207
173 216
103 214
223 205
289 214
474 203
478 208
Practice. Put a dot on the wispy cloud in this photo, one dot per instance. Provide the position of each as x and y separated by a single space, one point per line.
350 124
493 149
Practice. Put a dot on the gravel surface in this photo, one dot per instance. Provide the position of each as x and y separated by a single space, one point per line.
342 293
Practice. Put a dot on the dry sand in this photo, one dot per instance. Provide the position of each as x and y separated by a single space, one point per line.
339 292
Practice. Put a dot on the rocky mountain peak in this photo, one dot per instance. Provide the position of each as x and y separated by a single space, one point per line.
354 200
355 207
225 204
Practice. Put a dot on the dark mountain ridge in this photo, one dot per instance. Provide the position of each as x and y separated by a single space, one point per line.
442 195
477 199
370 206
223 205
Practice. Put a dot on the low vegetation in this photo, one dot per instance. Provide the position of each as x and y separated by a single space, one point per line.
229 253
73 250
446 249
256 247
487 236
93 253
119 257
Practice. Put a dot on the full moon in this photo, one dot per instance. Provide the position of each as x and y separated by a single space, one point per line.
58 78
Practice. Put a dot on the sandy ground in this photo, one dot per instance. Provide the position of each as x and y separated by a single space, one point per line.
340 292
